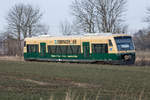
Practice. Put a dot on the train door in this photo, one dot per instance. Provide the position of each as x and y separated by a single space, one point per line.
86 49
43 49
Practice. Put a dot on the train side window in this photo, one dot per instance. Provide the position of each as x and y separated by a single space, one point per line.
55 49
32 48
76 49
64 50
58 50
110 43
24 43
28 48
36 48
106 48
69 50
99 48
51 49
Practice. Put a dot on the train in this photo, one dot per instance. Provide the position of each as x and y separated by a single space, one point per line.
106 48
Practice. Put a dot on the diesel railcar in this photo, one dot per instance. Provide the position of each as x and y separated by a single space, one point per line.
109 48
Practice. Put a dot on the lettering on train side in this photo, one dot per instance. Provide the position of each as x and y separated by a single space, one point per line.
65 41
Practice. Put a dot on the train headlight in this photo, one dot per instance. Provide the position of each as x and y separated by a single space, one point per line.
127 57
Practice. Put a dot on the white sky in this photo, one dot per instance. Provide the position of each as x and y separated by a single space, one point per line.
55 11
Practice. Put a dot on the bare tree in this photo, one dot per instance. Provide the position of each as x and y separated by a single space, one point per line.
110 14
22 19
147 18
83 11
142 39
31 19
66 28
99 15
40 29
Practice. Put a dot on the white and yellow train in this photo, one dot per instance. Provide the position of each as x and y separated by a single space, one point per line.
113 48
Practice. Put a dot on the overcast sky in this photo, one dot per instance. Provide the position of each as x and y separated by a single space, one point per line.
55 11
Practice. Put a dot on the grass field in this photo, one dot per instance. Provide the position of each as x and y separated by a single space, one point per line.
59 81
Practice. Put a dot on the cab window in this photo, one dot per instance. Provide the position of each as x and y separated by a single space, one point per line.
110 43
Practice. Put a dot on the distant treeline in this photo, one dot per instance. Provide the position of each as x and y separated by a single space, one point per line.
142 40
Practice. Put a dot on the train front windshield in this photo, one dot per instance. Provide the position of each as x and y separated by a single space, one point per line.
124 43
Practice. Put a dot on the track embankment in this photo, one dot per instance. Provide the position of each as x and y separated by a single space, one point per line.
140 60
11 58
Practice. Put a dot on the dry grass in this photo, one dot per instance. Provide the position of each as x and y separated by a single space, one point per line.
11 58
142 54
143 58
70 95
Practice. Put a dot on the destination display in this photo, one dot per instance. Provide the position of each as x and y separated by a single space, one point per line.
65 41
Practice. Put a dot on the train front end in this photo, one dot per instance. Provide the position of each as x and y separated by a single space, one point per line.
125 49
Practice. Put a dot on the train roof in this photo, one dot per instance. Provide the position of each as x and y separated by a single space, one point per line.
95 35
